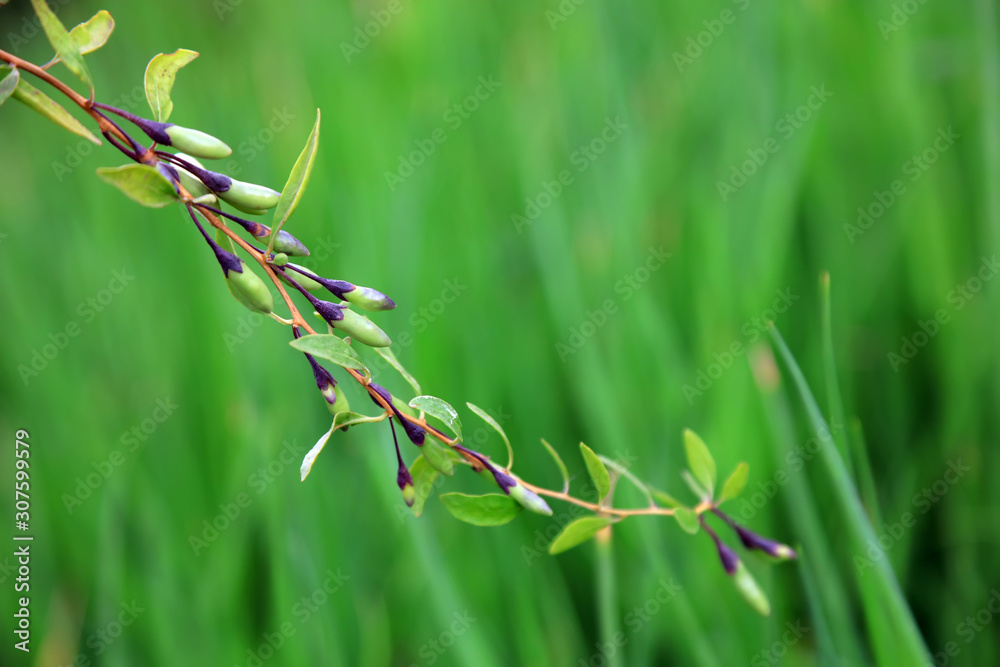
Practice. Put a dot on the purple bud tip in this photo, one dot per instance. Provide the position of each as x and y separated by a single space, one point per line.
155 131
213 181
168 173
503 480
330 312
227 260
403 477
381 391
324 381
730 561
337 287
752 540
414 432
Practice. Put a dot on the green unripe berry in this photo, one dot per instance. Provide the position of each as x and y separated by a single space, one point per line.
288 244
250 196
196 142
361 329
437 457
279 259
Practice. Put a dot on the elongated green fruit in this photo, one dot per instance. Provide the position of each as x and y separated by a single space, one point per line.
306 282
288 244
361 329
369 299
197 143
250 195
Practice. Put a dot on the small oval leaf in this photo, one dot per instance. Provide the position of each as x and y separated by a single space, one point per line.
666 498
424 475
598 471
93 34
298 178
735 483
492 422
65 46
330 347
437 456
436 407
579 532
159 81
9 82
700 461
687 519
141 183
28 95
390 356
493 509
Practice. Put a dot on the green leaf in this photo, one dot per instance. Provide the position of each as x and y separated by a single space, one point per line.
579 532
141 183
687 519
435 407
492 422
342 420
65 46
93 34
424 475
298 178
736 482
666 498
30 96
598 471
695 487
390 356
751 592
160 74
493 509
437 455
330 347
559 463
8 83
700 461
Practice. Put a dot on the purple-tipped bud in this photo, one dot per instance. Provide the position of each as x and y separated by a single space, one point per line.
227 260
414 432
405 482
213 181
324 381
752 540
368 298
330 312
730 561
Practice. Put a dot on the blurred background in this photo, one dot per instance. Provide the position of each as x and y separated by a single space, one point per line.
586 214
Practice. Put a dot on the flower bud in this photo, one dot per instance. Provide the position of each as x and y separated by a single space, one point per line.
324 381
339 403
405 482
191 183
303 279
750 591
752 540
249 289
730 561
360 328
250 195
415 432
279 259
330 312
196 142
368 298
530 500
288 244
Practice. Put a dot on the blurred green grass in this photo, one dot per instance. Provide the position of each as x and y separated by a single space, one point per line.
240 400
